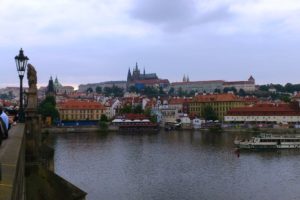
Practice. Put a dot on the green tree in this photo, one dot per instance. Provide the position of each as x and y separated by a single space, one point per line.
217 91
4 96
126 109
10 95
209 113
192 93
89 90
242 92
296 87
289 88
147 112
132 89
114 91
47 108
286 98
117 91
264 88
137 109
150 91
180 92
103 118
171 91
279 88
107 91
99 90
230 89
161 92
103 126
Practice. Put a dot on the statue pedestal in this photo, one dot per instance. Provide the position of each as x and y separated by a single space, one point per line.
33 127
32 101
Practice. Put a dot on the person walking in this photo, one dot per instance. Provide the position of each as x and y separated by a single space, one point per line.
4 116
3 124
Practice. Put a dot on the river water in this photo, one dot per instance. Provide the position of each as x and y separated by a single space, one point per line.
174 165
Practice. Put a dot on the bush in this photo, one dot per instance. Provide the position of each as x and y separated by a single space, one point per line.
103 126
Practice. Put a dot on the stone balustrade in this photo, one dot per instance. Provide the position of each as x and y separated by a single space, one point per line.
12 164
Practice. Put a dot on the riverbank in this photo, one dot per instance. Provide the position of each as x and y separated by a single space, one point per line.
86 129
77 129
264 130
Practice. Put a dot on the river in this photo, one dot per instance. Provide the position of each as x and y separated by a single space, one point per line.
174 165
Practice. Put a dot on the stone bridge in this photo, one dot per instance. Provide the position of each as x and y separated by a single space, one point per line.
12 165
23 172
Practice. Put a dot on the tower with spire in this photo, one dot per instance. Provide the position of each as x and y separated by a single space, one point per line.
136 72
251 79
50 88
129 78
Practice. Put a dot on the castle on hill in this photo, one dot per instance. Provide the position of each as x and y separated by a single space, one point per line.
140 80
137 76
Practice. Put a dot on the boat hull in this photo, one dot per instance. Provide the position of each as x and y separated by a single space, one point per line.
267 146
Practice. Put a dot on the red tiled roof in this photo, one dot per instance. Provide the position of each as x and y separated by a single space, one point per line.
130 100
179 100
266 109
250 100
6 103
133 116
150 104
216 98
297 96
85 105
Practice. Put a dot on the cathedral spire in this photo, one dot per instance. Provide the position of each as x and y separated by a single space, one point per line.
129 75
136 66
56 80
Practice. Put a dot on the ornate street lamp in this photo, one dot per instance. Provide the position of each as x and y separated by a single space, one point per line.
21 63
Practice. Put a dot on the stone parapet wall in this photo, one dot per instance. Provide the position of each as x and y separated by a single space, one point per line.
12 161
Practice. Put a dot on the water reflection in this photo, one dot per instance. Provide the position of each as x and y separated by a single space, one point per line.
175 165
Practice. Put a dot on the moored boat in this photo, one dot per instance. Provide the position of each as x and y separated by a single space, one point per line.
141 127
269 141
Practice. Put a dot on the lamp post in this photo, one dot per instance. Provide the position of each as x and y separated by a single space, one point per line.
21 63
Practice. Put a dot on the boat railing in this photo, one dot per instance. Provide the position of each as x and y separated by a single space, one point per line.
269 135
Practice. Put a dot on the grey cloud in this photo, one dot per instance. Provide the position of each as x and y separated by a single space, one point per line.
176 14
156 11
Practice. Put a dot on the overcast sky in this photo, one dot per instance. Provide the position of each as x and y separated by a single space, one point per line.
89 41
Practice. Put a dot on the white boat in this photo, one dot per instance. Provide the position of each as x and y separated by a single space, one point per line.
196 123
269 141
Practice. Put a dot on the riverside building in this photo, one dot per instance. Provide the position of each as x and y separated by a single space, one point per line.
220 103
80 110
280 113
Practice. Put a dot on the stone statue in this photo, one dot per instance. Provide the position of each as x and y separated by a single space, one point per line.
31 76
32 91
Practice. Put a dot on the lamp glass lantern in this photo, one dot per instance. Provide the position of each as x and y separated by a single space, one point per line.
21 63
